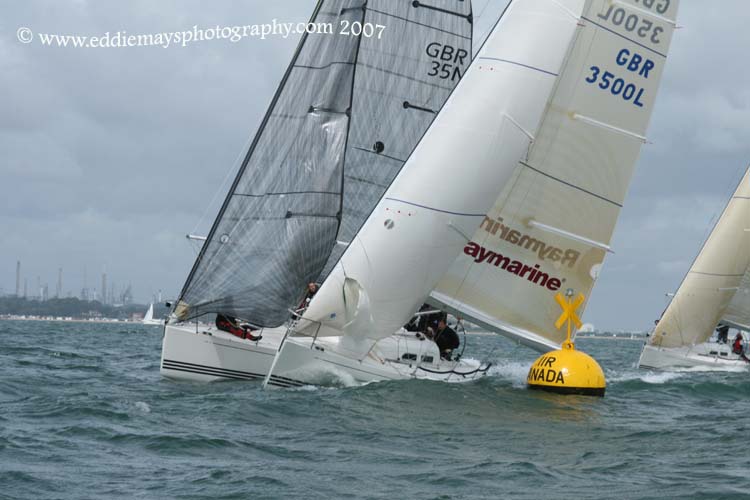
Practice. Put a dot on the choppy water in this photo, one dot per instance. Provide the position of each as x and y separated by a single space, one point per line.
85 414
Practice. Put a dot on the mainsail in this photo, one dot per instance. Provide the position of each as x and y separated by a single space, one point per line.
347 114
452 178
714 279
551 226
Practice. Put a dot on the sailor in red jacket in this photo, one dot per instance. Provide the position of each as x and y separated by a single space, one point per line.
738 348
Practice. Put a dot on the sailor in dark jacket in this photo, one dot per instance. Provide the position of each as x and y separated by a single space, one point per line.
722 334
446 339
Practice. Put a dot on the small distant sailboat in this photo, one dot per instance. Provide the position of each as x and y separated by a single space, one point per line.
715 291
148 319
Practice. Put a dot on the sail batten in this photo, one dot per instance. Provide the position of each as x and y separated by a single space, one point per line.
306 180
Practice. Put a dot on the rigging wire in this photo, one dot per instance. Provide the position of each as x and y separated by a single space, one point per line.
222 187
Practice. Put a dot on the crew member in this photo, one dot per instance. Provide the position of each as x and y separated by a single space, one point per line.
446 339
738 348
418 322
431 320
231 325
722 334
312 289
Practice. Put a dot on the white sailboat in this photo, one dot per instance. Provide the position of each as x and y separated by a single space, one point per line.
345 118
148 319
715 290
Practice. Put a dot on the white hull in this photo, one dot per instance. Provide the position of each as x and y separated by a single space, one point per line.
153 322
206 354
708 355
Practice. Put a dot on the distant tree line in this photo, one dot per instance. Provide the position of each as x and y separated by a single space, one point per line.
73 307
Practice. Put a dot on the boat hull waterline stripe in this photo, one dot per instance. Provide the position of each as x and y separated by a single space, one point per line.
227 373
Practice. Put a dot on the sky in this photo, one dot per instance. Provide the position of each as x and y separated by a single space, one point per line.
110 156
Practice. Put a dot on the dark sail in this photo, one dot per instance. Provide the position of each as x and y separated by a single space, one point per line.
347 114
402 81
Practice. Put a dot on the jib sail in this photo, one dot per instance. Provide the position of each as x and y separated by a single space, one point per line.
551 226
351 107
451 179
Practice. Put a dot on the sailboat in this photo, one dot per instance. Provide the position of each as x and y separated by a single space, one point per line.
523 96
716 290
344 119
148 319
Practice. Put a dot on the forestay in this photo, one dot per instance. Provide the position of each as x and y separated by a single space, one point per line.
452 178
714 279
551 226
348 112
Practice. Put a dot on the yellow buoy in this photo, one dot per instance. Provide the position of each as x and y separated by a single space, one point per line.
567 371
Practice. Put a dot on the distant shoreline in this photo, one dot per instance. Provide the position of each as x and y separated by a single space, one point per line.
77 320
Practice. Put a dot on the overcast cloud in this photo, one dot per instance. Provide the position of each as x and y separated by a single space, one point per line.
110 156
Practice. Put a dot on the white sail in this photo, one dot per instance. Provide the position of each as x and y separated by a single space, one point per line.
453 177
551 227
713 280
738 312
149 314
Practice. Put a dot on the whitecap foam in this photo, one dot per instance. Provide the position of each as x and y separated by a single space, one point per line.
142 407
514 371
328 375
660 377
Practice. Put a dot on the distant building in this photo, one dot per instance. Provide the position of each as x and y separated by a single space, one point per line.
59 288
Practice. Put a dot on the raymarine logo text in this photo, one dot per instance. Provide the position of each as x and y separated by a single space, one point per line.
544 251
532 274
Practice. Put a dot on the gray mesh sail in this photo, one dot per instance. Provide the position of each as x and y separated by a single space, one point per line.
402 81
347 114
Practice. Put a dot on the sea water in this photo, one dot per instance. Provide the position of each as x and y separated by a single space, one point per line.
84 414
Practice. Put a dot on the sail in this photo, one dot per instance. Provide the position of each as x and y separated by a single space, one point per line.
348 112
150 313
738 311
402 81
551 226
453 176
713 280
